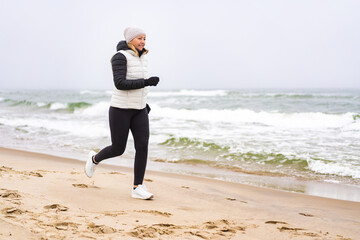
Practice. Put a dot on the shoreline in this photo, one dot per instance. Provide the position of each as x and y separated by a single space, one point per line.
333 190
50 197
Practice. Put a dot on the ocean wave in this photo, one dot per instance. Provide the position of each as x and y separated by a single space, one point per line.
197 93
334 168
234 117
269 158
245 116
98 109
71 106
353 127
15 103
259 132
76 128
299 95
77 105
43 104
280 163
228 154
193 143
57 106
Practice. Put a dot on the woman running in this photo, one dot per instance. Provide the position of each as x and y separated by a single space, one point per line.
128 109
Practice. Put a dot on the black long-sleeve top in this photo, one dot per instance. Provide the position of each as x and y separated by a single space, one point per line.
119 68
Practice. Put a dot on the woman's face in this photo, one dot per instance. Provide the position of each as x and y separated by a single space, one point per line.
139 42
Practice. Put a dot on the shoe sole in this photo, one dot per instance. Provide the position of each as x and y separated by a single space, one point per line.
86 173
151 197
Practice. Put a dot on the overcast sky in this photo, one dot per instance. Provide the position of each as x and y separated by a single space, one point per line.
228 44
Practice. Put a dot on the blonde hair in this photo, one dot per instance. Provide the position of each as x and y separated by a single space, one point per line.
132 47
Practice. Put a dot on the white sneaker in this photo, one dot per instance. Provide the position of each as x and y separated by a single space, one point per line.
90 166
144 187
141 193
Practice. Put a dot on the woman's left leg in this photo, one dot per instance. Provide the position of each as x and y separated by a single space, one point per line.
140 130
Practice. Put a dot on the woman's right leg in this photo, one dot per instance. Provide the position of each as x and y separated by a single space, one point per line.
119 121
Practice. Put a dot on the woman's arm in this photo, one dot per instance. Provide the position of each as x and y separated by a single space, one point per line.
119 68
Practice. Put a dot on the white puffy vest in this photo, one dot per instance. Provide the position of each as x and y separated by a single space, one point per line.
136 98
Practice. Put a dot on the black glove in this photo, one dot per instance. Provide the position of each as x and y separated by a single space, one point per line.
153 81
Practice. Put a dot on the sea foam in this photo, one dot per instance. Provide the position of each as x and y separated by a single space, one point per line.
57 105
197 93
74 127
335 168
276 119
98 109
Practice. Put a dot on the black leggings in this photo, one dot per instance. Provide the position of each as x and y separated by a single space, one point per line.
121 121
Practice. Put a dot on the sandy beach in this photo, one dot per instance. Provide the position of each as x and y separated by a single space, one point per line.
48 197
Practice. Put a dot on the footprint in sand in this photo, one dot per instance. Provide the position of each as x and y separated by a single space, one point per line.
275 222
34 174
116 173
306 215
290 229
12 211
5 169
9 194
56 207
13 171
65 226
101 229
154 212
223 227
231 199
208 230
234 199
115 214
153 231
200 234
80 185
310 234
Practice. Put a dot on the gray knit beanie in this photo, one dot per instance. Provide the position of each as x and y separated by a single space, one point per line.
132 32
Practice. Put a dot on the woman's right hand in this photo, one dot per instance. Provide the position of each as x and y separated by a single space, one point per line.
153 81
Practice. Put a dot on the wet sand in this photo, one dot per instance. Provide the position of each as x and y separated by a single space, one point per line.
50 197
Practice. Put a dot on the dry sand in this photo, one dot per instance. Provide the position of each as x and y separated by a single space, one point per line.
47 197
